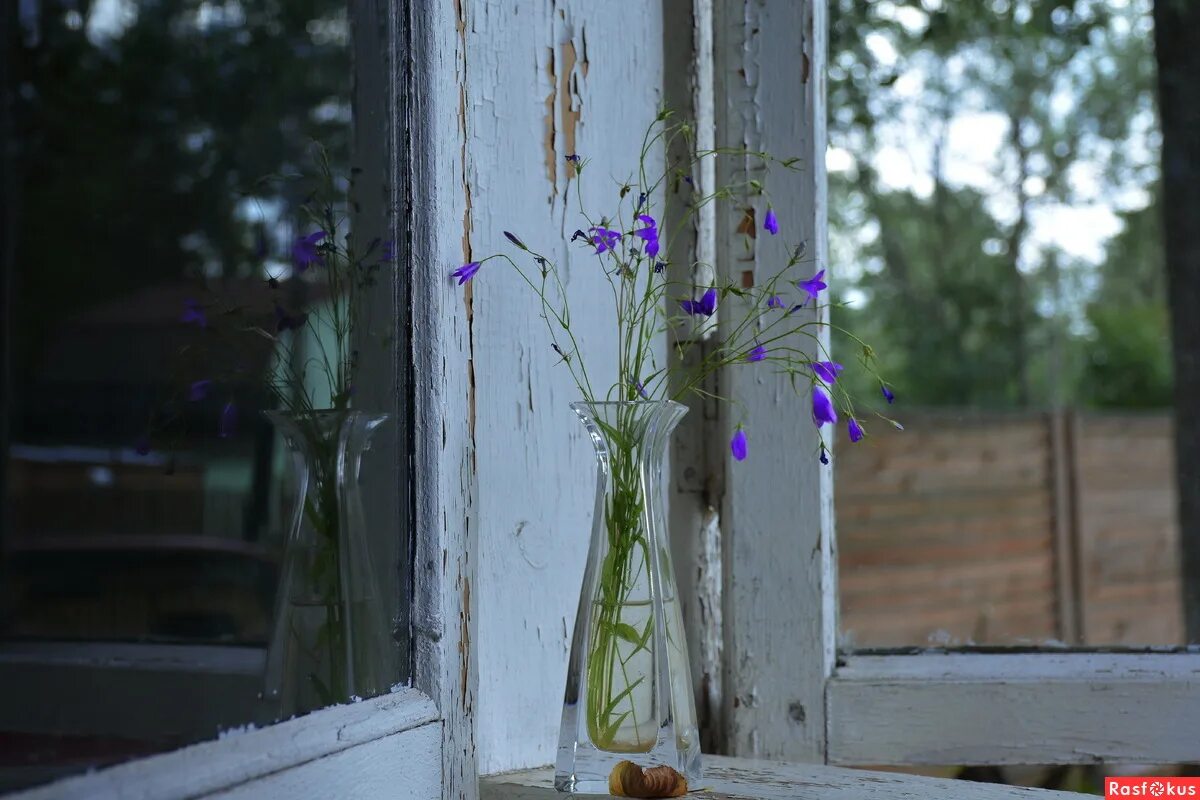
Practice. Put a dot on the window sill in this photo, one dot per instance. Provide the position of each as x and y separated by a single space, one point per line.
744 779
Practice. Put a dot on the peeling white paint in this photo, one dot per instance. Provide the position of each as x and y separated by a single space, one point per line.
539 89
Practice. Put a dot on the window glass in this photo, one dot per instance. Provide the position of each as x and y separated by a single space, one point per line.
996 222
143 531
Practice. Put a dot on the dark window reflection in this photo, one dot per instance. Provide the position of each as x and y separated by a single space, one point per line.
136 134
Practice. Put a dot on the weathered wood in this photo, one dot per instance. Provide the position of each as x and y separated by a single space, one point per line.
743 779
696 462
403 766
540 81
301 758
777 515
1066 526
433 205
1037 708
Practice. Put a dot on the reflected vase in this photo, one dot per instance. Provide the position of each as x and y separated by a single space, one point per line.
629 690
331 636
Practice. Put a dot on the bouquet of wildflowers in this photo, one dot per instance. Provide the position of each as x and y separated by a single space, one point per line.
771 324
633 251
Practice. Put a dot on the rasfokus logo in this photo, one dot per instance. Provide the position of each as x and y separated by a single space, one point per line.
1151 787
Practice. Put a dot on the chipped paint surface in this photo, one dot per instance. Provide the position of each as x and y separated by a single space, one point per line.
539 88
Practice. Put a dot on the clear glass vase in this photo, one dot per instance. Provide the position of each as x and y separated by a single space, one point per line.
331 636
629 688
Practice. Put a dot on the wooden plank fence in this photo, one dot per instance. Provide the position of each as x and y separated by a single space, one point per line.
1009 529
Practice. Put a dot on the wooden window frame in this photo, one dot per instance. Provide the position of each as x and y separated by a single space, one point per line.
787 692
414 742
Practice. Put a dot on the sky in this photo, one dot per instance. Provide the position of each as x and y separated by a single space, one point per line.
975 145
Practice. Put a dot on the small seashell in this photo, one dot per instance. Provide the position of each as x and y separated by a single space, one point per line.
627 779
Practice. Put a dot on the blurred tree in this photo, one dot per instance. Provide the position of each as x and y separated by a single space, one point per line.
967 305
139 126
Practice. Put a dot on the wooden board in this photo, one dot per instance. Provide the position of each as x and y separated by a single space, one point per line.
744 779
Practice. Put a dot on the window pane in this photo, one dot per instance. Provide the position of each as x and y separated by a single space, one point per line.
142 533
995 217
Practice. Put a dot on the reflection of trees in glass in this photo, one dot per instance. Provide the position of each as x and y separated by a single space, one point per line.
965 279
139 125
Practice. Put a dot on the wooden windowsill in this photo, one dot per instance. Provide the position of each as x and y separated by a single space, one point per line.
744 779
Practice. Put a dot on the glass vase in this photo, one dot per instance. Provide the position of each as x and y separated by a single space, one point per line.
331 635
629 689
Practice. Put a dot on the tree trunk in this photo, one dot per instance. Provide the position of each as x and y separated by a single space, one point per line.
1177 40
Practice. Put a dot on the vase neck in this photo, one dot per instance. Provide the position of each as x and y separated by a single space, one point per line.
642 428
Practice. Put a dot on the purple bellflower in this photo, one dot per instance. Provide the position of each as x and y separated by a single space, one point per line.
775 301
193 314
813 285
771 222
304 250
604 239
706 306
757 354
649 234
199 390
466 272
824 455
887 393
855 430
827 371
822 408
737 445
227 423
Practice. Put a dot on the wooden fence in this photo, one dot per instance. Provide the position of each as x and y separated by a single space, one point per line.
1004 529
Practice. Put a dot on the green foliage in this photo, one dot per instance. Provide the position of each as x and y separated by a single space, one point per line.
974 310
134 148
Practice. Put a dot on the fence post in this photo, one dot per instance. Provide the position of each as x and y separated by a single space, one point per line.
1070 597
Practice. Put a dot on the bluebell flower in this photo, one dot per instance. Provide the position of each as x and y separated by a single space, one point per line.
737 445
771 222
887 393
757 354
827 371
604 239
199 390
705 306
304 250
822 408
775 301
649 234
813 285
227 422
466 272
193 314
855 430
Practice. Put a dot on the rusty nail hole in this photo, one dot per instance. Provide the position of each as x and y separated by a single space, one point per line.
796 711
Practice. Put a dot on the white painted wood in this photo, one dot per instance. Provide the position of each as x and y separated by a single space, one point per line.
743 779
1039 708
434 210
301 758
404 766
777 519
544 80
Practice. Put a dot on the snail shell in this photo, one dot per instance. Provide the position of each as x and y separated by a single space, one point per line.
627 779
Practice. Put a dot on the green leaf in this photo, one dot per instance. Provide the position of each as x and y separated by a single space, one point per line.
610 730
629 633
